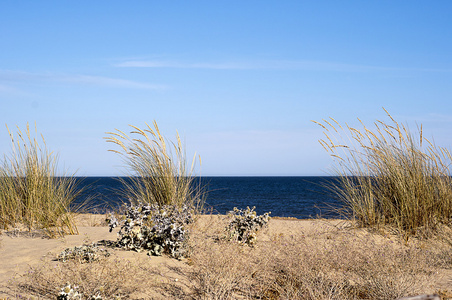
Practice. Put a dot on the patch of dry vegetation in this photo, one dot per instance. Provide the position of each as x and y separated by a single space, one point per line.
319 262
338 264
108 277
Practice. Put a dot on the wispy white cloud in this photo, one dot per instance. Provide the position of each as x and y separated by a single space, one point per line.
181 65
6 89
222 65
11 90
27 77
110 82
269 64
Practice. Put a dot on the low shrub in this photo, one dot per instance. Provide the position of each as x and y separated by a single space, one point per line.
245 224
84 253
109 278
155 229
69 293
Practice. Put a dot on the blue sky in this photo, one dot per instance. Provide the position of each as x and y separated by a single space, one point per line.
240 80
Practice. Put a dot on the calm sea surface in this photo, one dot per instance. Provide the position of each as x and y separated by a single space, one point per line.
299 197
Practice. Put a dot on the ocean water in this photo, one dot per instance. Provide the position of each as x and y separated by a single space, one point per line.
299 197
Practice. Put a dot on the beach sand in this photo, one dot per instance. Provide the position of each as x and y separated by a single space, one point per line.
19 251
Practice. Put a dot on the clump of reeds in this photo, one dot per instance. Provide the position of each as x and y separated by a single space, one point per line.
158 170
389 176
31 192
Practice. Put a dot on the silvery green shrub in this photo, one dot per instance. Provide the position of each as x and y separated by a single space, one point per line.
245 224
84 253
69 293
157 229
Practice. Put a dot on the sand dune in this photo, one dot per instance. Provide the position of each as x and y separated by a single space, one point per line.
21 250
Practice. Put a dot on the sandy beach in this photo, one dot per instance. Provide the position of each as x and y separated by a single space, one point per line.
22 253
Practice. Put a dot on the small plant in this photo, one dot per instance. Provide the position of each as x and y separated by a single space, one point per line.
69 293
156 229
85 253
245 224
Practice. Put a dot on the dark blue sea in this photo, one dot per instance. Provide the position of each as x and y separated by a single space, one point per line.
298 197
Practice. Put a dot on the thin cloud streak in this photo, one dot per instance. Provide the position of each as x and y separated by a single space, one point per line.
6 89
270 65
111 82
12 91
26 77
178 65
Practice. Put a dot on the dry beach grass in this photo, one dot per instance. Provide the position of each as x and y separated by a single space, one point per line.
32 192
157 168
389 176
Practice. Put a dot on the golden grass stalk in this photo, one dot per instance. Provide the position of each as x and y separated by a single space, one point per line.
31 192
388 176
158 172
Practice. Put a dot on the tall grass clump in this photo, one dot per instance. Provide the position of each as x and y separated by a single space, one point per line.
31 192
389 176
158 172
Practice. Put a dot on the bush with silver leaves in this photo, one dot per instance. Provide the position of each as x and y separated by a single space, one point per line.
85 253
157 229
69 293
245 224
